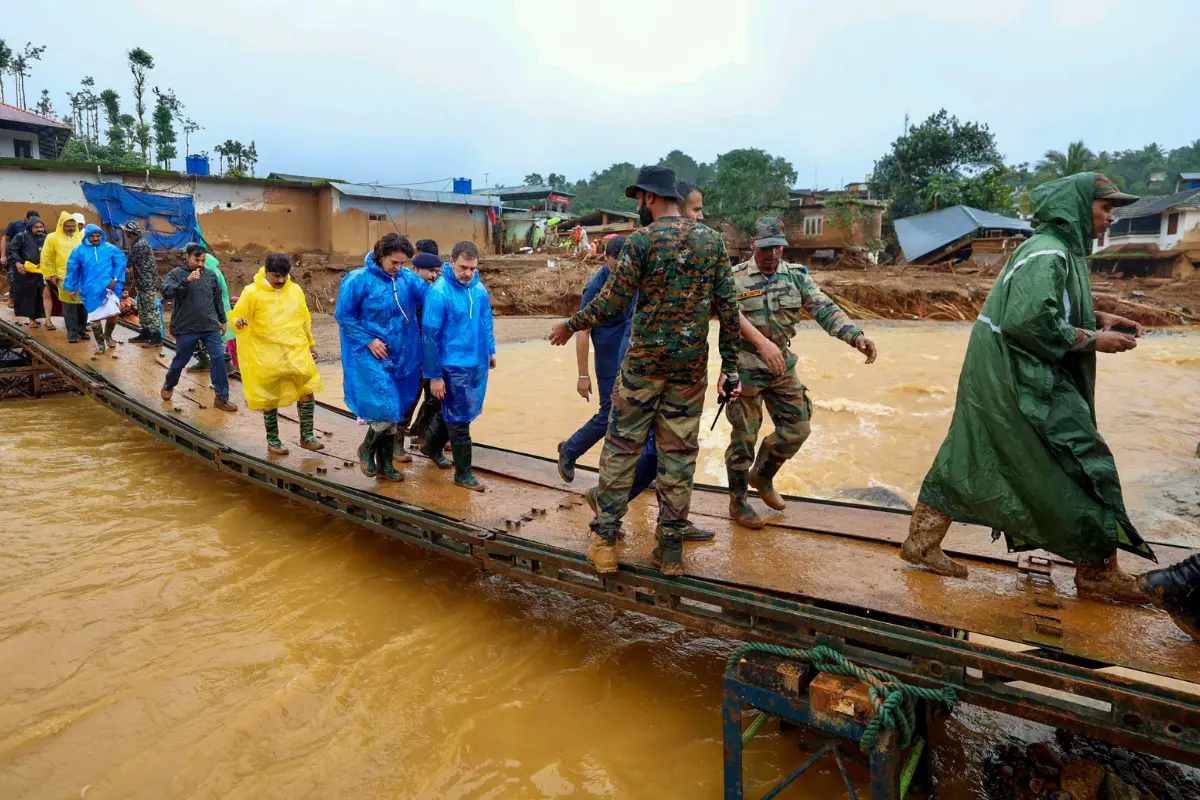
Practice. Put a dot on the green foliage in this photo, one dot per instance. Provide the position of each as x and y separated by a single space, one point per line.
995 189
6 62
140 62
89 152
164 134
749 182
556 181
535 179
44 106
688 169
604 190
942 150
1056 164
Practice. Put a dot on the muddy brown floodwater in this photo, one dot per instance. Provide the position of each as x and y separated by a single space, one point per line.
168 633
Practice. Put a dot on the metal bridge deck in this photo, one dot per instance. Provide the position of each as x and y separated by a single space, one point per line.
819 570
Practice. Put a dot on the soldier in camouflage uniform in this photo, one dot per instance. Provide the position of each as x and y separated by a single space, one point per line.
771 294
679 271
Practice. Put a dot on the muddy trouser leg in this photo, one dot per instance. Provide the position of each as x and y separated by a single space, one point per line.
647 467
110 325
148 313
430 406
790 409
98 335
745 419
635 402
677 436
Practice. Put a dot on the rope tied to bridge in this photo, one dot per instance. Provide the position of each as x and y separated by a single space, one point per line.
893 701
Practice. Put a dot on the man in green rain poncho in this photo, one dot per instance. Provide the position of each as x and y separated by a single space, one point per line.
1023 454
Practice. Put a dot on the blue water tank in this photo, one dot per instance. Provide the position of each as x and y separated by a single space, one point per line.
462 185
197 165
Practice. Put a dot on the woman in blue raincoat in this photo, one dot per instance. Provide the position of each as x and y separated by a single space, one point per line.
381 348
460 348
95 269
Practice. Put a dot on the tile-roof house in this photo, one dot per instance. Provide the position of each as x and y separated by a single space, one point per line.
24 134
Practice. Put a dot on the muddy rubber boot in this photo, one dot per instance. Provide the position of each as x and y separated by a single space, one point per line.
463 476
602 554
201 364
400 452
668 556
762 475
740 510
1109 582
1176 590
308 437
924 543
274 443
434 444
366 454
142 336
385 452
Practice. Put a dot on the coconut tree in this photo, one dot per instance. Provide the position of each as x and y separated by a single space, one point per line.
1056 164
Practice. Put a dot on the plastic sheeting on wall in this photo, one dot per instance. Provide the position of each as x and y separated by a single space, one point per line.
117 204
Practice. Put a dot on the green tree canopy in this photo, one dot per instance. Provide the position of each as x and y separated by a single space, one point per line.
749 182
1056 164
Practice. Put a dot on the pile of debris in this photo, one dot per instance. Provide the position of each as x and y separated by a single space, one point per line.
1077 768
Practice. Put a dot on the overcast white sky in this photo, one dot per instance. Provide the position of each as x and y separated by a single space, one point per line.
422 90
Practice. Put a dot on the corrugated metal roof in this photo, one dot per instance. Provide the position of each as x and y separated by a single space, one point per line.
1149 206
13 114
411 195
286 176
1190 176
523 192
921 235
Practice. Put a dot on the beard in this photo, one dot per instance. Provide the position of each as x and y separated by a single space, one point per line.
644 216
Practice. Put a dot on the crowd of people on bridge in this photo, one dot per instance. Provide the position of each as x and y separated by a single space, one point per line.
1023 454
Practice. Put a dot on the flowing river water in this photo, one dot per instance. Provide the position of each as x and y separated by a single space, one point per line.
168 633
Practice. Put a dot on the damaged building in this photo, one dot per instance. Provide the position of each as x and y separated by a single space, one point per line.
955 234
1156 236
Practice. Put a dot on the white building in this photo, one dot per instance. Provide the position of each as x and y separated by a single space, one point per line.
1156 235
24 134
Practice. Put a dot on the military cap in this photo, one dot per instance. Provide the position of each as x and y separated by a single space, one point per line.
1107 190
768 232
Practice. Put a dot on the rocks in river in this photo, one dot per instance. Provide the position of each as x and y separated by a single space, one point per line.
1082 779
873 496
1117 789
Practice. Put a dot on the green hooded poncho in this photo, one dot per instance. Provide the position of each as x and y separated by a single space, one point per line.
1023 454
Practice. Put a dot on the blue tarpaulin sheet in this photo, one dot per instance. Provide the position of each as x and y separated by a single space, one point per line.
155 213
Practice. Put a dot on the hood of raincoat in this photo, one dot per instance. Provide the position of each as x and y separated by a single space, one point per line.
62 220
274 355
92 267
56 251
1064 208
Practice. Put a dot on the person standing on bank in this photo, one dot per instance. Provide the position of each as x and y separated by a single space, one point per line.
771 295
198 316
12 231
460 348
56 252
147 283
1023 454
96 270
679 272
381 362
25 288
277 352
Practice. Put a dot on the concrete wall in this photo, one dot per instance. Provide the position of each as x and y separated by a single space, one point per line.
8 149
354 232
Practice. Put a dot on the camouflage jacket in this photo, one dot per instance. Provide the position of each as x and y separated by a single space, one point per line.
773 306
680 274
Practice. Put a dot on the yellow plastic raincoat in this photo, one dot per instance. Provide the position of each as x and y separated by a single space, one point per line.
55 252
274 348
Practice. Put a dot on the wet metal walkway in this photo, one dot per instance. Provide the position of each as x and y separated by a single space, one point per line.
821 572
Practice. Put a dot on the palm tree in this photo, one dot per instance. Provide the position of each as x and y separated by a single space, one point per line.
1056 164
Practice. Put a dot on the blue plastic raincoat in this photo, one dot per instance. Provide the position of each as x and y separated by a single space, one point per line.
374 305
91 268
458 341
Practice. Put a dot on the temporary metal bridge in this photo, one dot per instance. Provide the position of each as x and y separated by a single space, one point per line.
821 573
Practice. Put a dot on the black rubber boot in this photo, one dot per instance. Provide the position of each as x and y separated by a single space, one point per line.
366 453
142 336
435 444
762 475
201 364
566 468
463 476
385 451
1176 590
740 510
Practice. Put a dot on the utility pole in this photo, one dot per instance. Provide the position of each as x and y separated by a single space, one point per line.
906 123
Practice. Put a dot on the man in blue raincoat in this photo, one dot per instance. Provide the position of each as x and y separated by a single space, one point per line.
381 348
460 348
96 268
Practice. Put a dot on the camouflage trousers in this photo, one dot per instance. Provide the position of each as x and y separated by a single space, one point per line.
149 316
790 409
672 409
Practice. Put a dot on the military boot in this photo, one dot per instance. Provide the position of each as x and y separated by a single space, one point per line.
740 510
762 475
463 476
1176 590
1108 582
434 445
924 543
385 449
366 453
602 554
668 556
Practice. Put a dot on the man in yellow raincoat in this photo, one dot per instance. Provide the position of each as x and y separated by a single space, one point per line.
277 352
56 250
